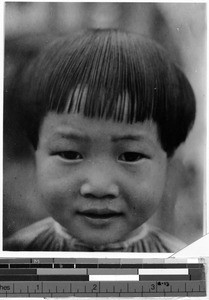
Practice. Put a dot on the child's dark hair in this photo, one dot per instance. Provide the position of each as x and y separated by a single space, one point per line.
113 75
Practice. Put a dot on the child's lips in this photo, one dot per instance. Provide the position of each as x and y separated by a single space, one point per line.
100 216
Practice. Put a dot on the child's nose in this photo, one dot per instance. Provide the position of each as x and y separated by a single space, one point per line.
99 185
99 191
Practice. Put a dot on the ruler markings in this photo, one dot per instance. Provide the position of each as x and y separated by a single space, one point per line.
131 294
176 285
55 278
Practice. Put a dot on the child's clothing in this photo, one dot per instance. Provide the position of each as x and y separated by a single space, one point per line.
48 235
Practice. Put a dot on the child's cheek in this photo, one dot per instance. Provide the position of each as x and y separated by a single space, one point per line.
144 190
58 191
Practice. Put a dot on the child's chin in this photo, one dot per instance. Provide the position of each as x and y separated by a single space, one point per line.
98 235
99 241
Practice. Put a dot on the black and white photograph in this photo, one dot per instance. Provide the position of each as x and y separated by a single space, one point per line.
104 136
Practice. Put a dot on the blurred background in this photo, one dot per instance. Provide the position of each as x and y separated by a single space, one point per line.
180 28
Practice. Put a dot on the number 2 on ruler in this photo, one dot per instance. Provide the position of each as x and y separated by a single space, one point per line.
94 287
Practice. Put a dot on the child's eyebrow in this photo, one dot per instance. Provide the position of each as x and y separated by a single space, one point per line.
71 135
132 137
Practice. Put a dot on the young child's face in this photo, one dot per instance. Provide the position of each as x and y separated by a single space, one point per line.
99 179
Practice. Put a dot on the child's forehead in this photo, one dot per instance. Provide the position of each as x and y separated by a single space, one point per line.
76 123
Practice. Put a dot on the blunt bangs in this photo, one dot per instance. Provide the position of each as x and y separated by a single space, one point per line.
112 75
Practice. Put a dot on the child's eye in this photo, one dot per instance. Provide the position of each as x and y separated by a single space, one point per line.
70 155
131 156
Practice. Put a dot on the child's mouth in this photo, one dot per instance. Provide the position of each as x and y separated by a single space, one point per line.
99 217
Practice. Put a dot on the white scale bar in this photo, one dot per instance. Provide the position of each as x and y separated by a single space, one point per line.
175 271
113 277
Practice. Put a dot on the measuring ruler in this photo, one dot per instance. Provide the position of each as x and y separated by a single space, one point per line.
99 277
